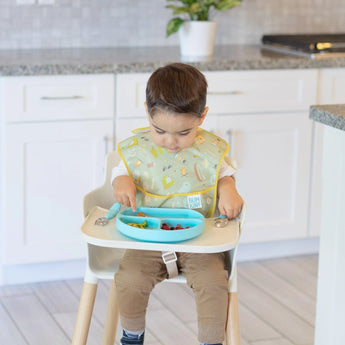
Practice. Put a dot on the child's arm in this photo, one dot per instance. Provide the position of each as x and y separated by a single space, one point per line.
125 191
229 201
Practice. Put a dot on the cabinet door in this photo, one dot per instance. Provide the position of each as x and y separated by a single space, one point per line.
273 157
49 168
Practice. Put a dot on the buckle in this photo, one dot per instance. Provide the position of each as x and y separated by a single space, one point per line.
169 257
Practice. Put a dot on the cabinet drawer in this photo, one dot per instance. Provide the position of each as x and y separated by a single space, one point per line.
52 98
261 91
231 92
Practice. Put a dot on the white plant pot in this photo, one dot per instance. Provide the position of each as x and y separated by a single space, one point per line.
197 38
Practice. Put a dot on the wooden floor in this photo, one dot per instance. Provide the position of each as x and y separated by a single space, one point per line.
277 307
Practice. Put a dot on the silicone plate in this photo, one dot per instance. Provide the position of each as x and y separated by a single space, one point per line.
155 217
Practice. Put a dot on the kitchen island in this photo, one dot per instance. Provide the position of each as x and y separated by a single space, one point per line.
330 312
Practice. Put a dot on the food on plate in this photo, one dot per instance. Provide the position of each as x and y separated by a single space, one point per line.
139 225
165 226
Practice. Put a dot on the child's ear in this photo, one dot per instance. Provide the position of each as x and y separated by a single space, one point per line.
203 115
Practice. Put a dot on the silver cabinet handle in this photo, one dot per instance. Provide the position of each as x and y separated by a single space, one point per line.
47 98
108 141
105 140
226 93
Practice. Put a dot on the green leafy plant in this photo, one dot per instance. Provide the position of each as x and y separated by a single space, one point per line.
195 10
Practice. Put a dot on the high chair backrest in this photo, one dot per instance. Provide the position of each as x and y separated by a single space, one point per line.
103 195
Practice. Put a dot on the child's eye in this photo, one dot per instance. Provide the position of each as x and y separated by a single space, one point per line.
184 133
158 131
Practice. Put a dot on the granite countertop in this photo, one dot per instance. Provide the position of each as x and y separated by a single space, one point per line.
331 115
136 60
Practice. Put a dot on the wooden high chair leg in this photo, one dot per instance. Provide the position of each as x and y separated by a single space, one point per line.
87 301
112 317
233 336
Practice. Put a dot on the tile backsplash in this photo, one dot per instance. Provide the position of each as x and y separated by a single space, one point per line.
128 23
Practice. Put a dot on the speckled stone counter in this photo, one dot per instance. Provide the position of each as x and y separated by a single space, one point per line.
331 115
136 60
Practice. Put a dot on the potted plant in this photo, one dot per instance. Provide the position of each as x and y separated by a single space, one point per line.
196 31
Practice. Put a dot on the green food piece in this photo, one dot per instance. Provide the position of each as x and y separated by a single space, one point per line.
137 225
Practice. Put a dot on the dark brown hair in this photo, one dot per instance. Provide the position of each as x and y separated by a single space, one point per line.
176 88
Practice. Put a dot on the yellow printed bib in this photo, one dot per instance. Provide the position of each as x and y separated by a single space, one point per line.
186 179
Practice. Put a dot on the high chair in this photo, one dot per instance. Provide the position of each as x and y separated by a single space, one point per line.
106 246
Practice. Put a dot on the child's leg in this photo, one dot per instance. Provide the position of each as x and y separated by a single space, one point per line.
208 278
139 272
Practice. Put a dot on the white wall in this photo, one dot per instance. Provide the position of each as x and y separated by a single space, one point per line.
114 23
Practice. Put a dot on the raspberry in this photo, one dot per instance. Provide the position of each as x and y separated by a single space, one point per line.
165 226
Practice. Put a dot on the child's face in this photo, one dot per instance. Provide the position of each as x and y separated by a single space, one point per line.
174 132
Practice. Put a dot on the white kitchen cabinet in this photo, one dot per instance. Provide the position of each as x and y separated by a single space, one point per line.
264 116
331 91
273 157
49 168
51 157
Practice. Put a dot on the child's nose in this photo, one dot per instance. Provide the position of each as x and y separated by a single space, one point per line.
171 140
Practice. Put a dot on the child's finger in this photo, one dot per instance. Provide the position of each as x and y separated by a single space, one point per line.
229 213
233 213
222 211
133 204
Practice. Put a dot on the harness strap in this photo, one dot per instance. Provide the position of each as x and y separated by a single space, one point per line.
170 258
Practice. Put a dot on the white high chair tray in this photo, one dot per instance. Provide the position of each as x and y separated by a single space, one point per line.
211 240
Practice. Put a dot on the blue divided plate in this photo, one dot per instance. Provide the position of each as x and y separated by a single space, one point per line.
155 218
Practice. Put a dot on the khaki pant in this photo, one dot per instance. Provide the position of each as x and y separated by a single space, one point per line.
141 270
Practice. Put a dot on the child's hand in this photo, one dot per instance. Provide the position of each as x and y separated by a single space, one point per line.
125 191
229 201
